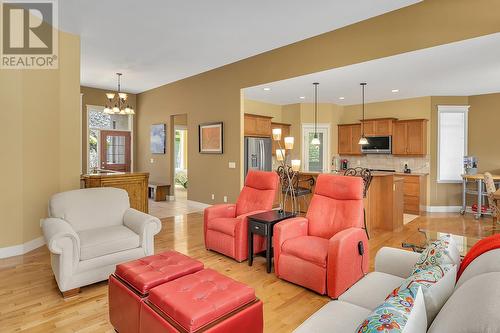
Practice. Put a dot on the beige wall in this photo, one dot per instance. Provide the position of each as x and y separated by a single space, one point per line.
97 97
484 130
40 121
215 95
263 109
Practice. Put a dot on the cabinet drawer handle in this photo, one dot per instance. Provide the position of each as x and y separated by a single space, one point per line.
256 227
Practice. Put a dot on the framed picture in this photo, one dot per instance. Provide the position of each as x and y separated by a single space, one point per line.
157 137
211 138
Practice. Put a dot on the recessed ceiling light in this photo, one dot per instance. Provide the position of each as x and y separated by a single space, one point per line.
395 90
267 88
302 97
341 98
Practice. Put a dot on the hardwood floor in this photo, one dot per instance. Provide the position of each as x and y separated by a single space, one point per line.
31 302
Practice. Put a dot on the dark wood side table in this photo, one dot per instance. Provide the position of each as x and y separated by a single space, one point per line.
263 224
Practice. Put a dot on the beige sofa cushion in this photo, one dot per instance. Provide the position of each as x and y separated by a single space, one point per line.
334 317
372 290
103 241
473 307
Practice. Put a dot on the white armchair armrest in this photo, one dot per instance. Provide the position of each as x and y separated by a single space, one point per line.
145 225
394 261
57 232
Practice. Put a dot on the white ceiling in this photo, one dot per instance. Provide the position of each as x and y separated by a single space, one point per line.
155 42
464 68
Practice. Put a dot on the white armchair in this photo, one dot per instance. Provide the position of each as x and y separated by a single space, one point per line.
89 231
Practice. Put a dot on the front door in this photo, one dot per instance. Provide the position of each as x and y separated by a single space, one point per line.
115 150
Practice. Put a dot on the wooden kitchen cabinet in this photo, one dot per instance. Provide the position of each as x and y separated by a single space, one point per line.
409 137
256 125
415 193
348 138
285 131
378 127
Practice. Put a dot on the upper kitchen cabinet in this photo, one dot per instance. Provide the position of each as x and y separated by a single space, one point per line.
348 138
285 131
410 137
378 127
256 125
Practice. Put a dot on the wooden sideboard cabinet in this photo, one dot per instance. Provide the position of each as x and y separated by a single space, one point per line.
136 184
285 131
410 137
348 138
256 125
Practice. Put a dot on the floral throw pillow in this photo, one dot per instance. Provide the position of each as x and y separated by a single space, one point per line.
441 252
394 314
437 283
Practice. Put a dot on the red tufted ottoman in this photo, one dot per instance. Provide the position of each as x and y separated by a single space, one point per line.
133 280
205 301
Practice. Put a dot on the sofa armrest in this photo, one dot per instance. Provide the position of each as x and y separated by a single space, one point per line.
346 265
217 211
145 225
395 261
284 230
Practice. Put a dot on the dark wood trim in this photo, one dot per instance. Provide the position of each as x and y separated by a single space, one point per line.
70 293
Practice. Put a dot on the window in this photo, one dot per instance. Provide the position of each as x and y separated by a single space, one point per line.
452 142
315 157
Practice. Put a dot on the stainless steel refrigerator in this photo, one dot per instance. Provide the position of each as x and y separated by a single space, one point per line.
258 154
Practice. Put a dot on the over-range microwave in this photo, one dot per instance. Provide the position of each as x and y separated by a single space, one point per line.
378 145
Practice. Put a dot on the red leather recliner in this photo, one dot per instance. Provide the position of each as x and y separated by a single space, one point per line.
226 225
320 251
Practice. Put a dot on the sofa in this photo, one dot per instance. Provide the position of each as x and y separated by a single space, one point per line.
89 231
226 225
474 304
327 250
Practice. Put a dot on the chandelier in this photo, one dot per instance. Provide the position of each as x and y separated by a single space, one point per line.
117 103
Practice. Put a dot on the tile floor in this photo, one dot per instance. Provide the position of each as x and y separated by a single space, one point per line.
180 206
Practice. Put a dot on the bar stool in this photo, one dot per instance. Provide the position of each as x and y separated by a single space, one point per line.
366 175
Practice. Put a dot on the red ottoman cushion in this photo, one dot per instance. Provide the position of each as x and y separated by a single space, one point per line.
133 280
195 300
149 272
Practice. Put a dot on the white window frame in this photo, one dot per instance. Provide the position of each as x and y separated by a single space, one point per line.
326 143
451 109
100 108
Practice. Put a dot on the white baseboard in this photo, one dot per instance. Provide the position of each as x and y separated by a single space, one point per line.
17 250
201 204
443 209
171 197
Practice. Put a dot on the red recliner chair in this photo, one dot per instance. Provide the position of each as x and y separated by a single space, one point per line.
226 225
322 251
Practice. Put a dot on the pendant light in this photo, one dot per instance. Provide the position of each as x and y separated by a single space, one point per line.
315 140
363 140
119 104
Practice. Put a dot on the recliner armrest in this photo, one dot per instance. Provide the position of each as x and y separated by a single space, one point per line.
145 225
346 265
284 230
222 210
395 261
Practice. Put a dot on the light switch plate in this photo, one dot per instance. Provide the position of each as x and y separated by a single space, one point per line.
151 160
225 198
213 196
232 165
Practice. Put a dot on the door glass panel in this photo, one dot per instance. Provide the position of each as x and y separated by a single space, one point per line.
315 153
100 120
115 152
93 148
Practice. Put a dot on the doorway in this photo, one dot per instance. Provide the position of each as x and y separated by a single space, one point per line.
109 140
180 162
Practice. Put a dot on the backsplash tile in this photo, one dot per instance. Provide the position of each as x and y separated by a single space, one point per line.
389 162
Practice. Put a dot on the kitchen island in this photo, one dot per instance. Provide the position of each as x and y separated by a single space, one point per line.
383 202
